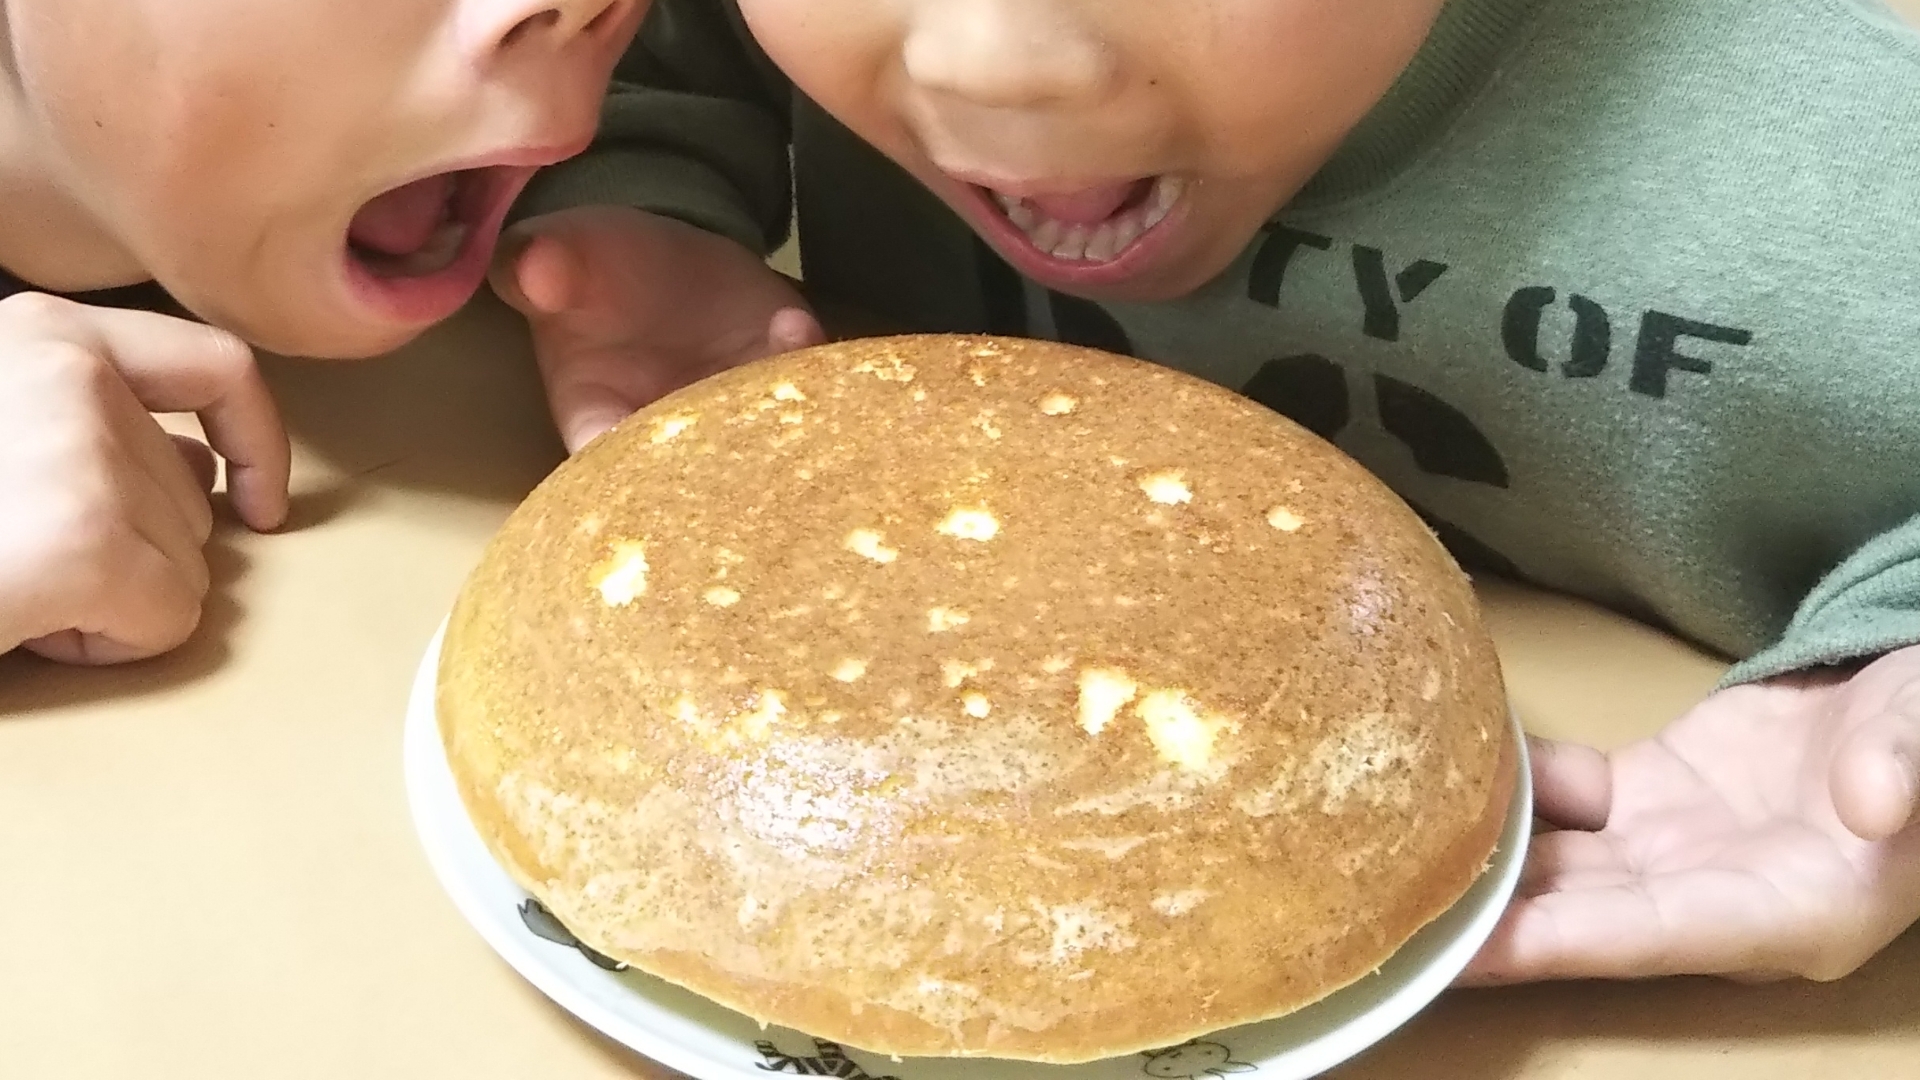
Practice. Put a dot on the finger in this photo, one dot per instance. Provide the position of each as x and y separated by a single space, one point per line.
583 411
545 272
153 512
177 366
165 497
793 328
1875 778
1572 784
144 607
1701 922
200 460
1558 860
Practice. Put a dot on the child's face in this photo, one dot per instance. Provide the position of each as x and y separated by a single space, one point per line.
324 177
1118 149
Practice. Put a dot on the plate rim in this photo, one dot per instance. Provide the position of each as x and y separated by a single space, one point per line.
1323 1051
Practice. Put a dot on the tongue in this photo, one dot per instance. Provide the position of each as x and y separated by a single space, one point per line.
403 220
1090 206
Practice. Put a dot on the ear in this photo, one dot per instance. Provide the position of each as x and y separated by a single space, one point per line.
1236 1067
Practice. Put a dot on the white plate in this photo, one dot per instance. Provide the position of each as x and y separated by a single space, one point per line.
686 1032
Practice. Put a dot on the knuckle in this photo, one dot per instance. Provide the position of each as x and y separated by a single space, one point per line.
181 620
74 363
228 357
198 579
38 310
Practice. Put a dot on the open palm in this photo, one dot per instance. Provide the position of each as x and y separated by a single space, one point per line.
1764 834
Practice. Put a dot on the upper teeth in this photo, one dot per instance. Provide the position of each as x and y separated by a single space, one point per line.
1098 244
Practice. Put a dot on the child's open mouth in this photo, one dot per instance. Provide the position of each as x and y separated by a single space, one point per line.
1100 235
421 250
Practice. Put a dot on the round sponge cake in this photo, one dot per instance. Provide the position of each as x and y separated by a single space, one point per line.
973 696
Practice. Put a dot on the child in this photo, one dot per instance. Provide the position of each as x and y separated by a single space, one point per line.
324 177
1619 293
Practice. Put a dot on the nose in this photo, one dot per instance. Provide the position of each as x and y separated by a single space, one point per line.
1007 53
497 27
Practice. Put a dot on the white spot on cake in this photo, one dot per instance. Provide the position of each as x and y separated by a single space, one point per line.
1174 905
976 705
1370 760
786 391
850 670
1078 928
793 417
941 619
722 597
888 368
623 578
1284 519
1058 404
1180 731
725 561
685 711
1167 488
669 428
1430 689
970 524
1113 847
986 425
768 708
956 672
1054 665
869 544
1103 693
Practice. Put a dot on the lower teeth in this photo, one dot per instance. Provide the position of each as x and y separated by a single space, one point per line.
441 251
1076 243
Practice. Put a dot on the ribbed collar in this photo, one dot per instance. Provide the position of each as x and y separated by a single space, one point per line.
1467 42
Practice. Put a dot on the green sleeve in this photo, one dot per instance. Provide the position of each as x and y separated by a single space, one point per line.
1868 605
695 127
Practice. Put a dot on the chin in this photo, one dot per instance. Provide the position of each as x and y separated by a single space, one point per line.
319 337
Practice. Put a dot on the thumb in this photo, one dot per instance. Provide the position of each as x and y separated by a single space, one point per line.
1572 784
793 328
537 276
1875 777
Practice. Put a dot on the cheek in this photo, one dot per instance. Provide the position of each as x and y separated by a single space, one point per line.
837 52
1308 69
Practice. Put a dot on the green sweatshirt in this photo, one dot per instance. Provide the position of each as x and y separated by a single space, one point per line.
1622 295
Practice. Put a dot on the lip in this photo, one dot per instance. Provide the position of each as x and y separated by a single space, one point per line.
1031 187
1030 261
421 301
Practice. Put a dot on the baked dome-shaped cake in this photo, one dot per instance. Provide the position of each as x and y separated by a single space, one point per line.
973 696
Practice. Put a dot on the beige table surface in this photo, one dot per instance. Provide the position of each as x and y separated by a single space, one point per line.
209 873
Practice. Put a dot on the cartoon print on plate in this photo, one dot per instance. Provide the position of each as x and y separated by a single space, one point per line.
828 1060
1194 1060
543 925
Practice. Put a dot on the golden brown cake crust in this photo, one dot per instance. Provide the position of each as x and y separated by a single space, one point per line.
959 695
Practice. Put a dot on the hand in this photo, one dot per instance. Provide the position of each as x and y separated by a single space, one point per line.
1767 833
103 515
628 306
